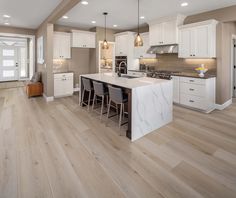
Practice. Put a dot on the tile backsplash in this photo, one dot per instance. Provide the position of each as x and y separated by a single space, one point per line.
173 63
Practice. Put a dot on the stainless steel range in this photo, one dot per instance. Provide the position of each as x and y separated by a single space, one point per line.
162 74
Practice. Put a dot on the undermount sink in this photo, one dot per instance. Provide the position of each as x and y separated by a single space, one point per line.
128 76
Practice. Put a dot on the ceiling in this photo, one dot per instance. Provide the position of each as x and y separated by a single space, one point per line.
124 12
27 13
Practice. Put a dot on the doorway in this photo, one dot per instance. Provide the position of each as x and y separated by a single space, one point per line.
17 57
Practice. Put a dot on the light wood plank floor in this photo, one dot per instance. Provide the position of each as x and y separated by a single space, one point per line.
59 150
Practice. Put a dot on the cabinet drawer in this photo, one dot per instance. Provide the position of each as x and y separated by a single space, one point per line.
63 75
193 101
192 89
193 80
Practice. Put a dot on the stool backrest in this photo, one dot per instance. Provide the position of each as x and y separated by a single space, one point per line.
87 84
115 94
98 88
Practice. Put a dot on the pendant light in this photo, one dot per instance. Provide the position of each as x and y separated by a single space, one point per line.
105 43
138 42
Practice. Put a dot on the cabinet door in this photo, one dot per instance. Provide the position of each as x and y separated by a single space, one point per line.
185 43
90 40
201 41
56 46
58 87
121 45
65 43
176 89
169 32
156 34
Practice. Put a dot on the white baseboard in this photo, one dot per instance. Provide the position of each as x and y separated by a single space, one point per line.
48 99
223 106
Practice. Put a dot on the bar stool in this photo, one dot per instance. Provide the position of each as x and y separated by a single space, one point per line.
89 89
117 97
99 91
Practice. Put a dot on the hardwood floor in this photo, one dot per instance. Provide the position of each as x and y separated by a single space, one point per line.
59 150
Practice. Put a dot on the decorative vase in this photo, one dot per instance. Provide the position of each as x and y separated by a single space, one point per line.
201 74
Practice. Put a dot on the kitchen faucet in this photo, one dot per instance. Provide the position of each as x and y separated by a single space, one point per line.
119 72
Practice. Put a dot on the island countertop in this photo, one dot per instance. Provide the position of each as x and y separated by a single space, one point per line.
129 83
149 105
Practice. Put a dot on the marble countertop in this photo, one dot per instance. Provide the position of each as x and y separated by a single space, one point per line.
132 83
193 75
183 74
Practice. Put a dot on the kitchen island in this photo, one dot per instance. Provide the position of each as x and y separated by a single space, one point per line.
150 101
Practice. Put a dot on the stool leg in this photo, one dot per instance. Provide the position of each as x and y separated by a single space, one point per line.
108 110
82 99
121 111
102 108
89 99
94 98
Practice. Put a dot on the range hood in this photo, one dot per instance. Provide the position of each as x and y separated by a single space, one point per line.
163 49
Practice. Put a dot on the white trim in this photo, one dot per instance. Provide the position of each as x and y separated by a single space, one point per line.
48 99
223 106
232 65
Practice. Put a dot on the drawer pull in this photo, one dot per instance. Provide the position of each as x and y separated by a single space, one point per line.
191 89
191 80
191 101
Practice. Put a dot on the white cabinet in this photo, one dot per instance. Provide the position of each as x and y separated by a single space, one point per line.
141 52
197 93
122 44
198 40
176 92
83 39
61 45
164 31
63 84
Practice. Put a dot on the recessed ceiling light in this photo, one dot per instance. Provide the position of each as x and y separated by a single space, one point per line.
115 25
6 23
93 22
65 17
142 17
184 4
6 16
84 2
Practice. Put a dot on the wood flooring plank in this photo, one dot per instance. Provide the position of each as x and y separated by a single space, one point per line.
207 186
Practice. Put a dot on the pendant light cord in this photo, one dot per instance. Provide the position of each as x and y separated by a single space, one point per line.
138 16
105 27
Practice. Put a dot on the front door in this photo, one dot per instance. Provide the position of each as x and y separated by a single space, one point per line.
8 63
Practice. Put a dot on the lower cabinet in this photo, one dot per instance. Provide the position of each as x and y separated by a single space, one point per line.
195 92
63 84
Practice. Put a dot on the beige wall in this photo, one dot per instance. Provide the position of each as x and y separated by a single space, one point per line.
225 29
15 30
46 30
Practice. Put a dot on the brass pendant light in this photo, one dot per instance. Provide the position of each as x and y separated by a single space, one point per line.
138 42
105 43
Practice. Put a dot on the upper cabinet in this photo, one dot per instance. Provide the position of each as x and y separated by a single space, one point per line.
164 31
122 46
198 40
61 45
83 39
141 52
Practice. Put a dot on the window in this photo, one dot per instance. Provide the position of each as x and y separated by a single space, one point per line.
8 63
8 73
7 52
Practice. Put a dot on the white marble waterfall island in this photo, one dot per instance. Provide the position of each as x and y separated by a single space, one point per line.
150 101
